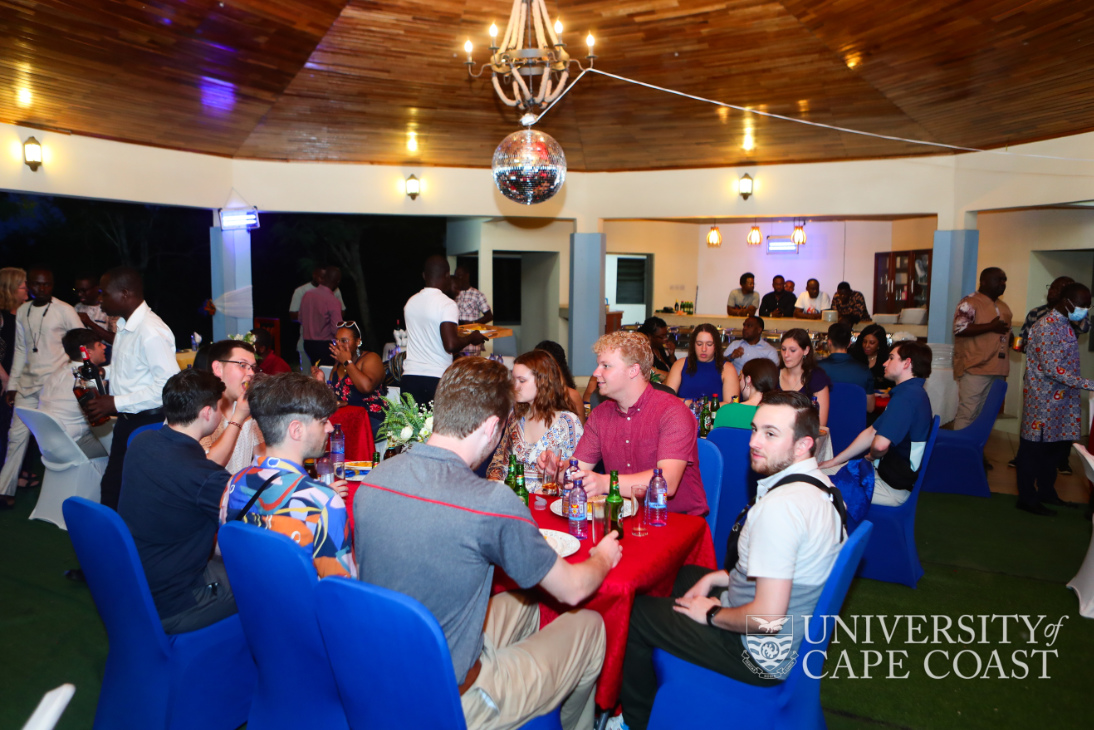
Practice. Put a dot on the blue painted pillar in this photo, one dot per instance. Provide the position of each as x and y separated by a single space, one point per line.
953 276
230 256
587 253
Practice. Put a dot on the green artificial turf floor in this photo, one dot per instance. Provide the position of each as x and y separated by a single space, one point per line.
981 556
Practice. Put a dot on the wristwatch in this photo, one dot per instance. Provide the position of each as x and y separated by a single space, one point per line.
711 613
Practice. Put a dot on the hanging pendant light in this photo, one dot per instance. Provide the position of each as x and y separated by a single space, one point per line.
714 237
755 238
798 236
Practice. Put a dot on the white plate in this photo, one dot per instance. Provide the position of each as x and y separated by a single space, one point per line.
556 507
562 543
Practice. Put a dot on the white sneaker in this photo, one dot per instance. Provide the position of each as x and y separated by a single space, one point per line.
616 723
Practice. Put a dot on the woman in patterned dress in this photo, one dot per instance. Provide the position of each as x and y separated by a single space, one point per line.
13 292
541 420
357 377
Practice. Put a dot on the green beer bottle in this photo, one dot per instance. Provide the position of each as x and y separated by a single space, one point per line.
519 488
511 473
614 504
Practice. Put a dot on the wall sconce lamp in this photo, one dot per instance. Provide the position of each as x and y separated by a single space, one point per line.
745 186
413 187
32 153
714 238
798 236
755 238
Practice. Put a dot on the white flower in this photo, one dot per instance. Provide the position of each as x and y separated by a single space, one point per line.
406 433
428 425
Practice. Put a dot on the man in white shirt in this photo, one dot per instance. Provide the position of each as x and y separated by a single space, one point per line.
90 308
787 546
39 326
812 301
144 358
432 335
59 401
294 310
751 345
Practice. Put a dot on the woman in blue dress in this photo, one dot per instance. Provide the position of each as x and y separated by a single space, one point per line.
705 371
357 377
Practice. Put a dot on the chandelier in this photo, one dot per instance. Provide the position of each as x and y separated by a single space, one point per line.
530 60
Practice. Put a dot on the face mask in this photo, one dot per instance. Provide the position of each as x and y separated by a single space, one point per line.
1078 314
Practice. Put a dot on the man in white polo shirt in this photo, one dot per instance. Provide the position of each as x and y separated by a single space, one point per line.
787 546
432 319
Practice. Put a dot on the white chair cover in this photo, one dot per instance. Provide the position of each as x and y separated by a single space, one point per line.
68 470
1083 582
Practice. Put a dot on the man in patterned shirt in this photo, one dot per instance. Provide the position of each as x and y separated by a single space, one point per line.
1050 400
850 303
293 411
474 309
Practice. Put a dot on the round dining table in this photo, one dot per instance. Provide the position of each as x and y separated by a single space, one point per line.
648 567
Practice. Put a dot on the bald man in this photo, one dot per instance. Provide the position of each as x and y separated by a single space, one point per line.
981 330
433 338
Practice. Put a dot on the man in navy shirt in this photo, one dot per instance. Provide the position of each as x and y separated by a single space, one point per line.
170 501
842 368
896 440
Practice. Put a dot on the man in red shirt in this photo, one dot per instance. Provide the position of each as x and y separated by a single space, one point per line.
640 428
270 363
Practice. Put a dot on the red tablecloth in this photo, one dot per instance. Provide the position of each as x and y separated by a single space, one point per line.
358 429
648 567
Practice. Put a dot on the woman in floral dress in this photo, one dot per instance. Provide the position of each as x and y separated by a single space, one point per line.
357 377
541 420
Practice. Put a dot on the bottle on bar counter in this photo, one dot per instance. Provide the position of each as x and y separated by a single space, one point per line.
88 385
614 504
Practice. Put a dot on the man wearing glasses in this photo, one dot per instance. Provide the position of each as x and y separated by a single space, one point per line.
236 440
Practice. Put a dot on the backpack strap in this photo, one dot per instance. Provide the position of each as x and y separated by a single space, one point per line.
834 494
254 498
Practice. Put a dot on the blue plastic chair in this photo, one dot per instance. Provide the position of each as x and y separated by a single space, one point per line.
891 555
689 696
846 414
200 679
738 481
274 584
391 660
711 467
142 429
959 465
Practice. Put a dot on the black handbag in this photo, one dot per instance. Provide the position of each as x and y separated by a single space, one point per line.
732 549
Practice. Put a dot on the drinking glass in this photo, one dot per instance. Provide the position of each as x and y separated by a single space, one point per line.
535 488
324 470
638 519
598 508
550 480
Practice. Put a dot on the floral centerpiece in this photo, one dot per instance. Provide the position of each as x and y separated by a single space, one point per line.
249 338
405 421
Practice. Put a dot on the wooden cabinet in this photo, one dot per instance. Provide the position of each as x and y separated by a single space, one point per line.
902 280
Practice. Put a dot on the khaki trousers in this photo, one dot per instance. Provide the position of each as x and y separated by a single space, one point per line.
972 390
527 672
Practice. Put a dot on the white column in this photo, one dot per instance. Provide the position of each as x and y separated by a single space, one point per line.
230 256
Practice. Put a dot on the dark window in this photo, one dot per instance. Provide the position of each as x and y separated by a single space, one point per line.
630 281
506 290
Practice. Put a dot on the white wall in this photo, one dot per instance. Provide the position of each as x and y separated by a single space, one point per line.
675 255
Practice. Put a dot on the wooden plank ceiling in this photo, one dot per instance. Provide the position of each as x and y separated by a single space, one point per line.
351 80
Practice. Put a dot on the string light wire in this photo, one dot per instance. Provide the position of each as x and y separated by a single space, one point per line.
832 127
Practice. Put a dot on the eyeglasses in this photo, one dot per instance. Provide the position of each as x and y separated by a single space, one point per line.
247 366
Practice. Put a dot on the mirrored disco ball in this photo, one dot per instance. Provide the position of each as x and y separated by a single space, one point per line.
529 167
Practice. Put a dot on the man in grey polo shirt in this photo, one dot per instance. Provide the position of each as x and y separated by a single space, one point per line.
427 527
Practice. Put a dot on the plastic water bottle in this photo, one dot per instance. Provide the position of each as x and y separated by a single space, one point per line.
657 500
567 485
338 452
577 514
